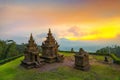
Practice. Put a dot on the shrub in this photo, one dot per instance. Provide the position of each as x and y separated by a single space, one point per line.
9 59
65 51
99 54
115 58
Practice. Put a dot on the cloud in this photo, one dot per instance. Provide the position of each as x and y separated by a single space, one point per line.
40 2
40 37
90 11
104 31
77 31
74 30
70 19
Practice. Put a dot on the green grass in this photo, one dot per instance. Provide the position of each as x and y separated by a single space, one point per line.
100 57
67 54
13 71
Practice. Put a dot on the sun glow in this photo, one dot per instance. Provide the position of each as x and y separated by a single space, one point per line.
106 31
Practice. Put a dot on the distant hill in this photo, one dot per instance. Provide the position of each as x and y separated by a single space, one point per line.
89 46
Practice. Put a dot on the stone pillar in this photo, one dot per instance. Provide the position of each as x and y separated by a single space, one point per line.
82 60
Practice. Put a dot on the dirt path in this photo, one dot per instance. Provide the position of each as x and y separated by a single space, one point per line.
69 62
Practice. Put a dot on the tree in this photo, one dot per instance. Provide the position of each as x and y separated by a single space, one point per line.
21 48
2 48
72 50
108 50
10 49
7 49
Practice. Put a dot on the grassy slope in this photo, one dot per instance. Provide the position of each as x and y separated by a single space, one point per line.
12 71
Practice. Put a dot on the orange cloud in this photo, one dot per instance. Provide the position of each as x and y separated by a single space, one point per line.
107 30
57 15
97 20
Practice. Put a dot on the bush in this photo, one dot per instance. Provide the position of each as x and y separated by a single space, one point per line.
9 59
65 51
99 54
115 58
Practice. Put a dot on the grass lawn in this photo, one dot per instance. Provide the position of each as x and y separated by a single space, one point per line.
13 71
67 54
100 58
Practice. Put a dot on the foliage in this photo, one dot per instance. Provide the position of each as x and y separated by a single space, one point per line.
107 50
3 47
21 47
8 50
115 58
72 50
12 51
9 59
101 54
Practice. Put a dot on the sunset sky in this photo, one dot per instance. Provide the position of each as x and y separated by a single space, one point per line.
79 23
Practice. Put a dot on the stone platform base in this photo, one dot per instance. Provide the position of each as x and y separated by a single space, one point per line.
59 58
83 68
30 65
49 59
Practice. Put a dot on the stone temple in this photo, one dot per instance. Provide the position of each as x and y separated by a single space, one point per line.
82 60
50 50
31 55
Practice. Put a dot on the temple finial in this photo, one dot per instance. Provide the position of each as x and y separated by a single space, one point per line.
31 34
31 37
49 30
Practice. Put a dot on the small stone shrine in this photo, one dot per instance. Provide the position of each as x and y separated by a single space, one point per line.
50 50
82 60
106 59
31 55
